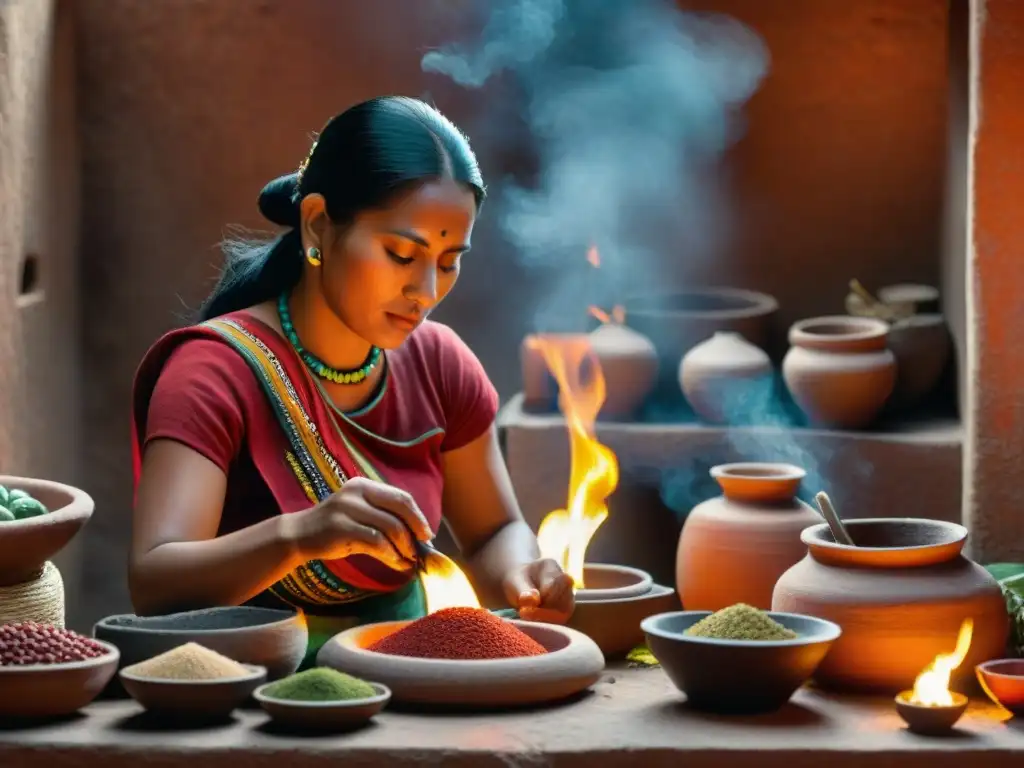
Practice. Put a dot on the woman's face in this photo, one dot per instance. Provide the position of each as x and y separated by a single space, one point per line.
384 274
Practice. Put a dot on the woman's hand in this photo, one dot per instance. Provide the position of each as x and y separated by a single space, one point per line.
363 517
541 591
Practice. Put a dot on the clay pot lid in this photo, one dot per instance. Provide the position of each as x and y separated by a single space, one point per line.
758 481
839 332
888 542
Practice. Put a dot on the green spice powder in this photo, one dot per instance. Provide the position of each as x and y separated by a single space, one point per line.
320 684
741 622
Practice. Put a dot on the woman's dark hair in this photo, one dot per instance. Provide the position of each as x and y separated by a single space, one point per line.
361 159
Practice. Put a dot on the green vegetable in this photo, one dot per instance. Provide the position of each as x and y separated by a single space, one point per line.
25 508
4 494
13 494
641 656
1011 579
6 515
320 684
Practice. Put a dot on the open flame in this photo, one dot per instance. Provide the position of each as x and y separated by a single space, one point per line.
445 584
617 316
564 534
931 689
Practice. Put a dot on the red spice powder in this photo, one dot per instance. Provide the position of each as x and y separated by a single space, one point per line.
459 633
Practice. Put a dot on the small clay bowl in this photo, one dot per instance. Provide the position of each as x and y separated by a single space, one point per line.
25 545
323 715
1003 682
742 677
193 699
42 691
930 720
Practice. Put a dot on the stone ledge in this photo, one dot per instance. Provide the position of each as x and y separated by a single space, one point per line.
911 470
632 718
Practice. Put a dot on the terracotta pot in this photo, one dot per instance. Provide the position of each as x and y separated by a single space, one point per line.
922 346
726 379
734 547
839 370
900 597
630 365
678 321
628 361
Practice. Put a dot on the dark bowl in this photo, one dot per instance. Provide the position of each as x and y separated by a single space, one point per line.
262 637
738 676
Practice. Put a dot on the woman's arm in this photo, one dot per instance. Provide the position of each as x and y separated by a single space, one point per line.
483 515
177 561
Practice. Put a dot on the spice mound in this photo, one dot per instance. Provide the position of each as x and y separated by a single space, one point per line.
740 622
31 643
188 662
320 684
460 634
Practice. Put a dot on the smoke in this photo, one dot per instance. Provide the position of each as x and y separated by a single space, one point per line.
631 104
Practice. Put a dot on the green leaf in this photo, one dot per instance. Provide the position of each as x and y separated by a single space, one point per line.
1005 571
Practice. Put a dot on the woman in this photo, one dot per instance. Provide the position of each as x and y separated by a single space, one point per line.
290 448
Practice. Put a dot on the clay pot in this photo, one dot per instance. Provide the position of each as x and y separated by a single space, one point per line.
922 346
726 379
734 547
839 370
628 362
678 321
900 597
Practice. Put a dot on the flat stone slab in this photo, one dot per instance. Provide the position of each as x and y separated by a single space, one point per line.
633 717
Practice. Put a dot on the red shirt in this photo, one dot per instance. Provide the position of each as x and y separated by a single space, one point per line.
435 394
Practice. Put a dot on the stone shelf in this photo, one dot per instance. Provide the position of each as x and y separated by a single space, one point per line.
908 469
633 717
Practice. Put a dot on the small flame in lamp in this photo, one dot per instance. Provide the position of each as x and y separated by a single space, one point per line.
564 534
931 708
931 689
445 584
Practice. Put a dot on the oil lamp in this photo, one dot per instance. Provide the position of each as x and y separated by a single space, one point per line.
931 708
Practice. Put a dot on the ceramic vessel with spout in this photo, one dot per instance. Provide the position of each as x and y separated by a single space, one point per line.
900 596
734 547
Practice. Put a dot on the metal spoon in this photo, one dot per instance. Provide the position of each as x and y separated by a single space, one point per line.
839 532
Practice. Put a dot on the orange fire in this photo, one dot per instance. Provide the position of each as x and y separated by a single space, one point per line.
931 689
445 584
564 534
617 317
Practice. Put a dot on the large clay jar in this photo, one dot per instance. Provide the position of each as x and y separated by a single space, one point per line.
627 359
726 379
900 596
734 547
921 345
839 369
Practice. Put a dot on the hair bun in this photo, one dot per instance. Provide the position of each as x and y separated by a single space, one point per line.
279 201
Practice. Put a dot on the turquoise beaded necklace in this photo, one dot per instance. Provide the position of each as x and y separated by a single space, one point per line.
314 363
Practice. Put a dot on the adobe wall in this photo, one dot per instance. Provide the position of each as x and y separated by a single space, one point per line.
40 374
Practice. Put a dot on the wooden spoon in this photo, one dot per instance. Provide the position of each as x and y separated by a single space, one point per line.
839 532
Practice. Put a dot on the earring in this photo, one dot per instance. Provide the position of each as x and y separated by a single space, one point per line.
313 256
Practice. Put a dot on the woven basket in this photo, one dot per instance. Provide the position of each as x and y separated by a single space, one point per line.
40 600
